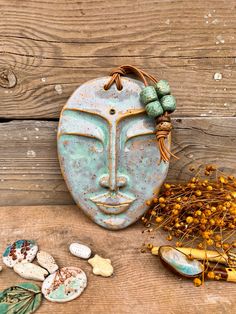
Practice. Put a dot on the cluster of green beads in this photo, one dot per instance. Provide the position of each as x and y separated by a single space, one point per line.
157 99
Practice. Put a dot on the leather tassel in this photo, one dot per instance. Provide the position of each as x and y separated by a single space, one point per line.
164 128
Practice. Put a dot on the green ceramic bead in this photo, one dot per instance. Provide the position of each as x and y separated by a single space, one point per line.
162 88
154 109
168 103
148 94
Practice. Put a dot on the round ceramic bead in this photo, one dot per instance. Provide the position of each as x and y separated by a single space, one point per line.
154 109
162 88
148 94
168 103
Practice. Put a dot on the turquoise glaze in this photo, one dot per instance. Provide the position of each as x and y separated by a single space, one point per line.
22 298
154 109
179 262
162 88
108 152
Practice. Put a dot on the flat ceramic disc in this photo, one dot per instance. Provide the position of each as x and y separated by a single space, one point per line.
18 251
64 285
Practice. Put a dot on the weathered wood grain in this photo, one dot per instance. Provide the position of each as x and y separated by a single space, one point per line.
30 173
140 283
52 47
43 91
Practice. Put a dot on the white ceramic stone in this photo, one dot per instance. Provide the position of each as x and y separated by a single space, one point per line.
47 261
101 266
18 251
64 285
80 250
30 271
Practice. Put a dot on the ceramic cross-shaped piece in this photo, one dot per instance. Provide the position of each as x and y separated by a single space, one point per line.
108 152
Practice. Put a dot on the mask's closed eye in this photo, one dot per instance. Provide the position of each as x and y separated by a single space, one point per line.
81 124
79 145
140 128
85 135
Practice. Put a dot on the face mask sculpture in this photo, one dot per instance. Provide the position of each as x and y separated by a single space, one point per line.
108 152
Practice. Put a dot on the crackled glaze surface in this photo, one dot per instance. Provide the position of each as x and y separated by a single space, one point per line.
108 152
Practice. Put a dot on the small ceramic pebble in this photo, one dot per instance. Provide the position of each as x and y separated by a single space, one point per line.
19 251
101 266
80 250
47 261
64 285
30 271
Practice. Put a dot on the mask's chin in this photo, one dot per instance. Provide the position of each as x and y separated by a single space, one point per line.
112 222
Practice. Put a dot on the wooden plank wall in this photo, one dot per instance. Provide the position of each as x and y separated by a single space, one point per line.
48 48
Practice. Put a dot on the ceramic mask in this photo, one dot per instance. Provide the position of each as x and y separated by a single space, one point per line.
108 152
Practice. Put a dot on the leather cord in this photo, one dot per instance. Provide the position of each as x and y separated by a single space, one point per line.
164 125
124 70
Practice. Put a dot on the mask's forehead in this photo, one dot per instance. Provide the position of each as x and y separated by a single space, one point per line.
92 97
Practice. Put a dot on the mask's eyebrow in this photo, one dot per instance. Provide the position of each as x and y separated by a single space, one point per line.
140 127
76 123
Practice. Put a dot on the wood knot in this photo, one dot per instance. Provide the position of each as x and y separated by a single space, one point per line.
7 78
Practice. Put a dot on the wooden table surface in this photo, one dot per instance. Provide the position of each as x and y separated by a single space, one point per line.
140 284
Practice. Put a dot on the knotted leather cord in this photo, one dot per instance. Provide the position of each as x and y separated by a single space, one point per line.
163 123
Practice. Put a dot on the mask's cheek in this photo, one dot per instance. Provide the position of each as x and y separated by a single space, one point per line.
140 161
83 160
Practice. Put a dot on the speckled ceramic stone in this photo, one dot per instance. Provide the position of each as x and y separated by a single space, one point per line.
80 250
30 271
154 109
162 88
47 261
19 251
64 285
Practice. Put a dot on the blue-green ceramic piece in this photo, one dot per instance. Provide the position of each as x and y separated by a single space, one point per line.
179 262
23 298
154 109
168 103
148 94
162 88
108 152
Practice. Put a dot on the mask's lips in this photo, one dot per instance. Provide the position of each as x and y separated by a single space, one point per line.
113 203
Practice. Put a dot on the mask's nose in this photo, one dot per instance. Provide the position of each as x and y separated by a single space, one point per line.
121 181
